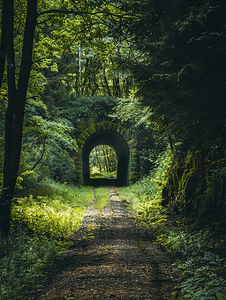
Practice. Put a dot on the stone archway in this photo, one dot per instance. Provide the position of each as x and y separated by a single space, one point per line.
114 135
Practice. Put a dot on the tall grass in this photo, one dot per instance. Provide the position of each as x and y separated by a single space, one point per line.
51 213
58 211
145 195
24 264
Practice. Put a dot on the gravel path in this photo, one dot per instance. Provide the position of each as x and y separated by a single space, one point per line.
113 258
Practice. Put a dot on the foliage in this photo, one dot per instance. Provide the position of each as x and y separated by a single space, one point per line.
46 219
25 262
146 194
132 111
166 62
196 183
95 106
179 79
96 174
203 269
90 235
48 145
103 158
57 211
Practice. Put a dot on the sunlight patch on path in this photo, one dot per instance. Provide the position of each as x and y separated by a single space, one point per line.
120 262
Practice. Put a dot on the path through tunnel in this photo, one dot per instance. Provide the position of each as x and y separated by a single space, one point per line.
118 143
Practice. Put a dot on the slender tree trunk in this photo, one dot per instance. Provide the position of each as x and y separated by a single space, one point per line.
5 14
106 82
105 158
15 110
98 158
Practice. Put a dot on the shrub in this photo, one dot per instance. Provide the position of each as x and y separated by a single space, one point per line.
57 210
25 262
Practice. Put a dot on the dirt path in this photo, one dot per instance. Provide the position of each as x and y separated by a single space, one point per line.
117 260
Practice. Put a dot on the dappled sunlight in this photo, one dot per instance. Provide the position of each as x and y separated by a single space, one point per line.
103 162
115 258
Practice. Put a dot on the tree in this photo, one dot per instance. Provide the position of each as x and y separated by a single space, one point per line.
180 75
90 15
16 102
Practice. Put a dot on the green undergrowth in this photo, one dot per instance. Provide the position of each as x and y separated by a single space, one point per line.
203 269
97 175
41 224
57 210
25 262
103 174
102 197
90 234
145 195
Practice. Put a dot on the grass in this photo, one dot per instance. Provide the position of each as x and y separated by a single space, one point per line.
145 199
203 270
46 217
41 223
97 174
57 211
102 197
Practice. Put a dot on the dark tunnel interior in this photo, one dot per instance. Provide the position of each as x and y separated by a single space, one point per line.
122 150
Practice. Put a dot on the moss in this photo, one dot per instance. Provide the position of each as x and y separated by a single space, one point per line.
198 182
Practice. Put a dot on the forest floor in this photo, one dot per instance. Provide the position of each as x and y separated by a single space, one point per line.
112 257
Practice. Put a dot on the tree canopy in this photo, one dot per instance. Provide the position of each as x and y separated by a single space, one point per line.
161 64
180 77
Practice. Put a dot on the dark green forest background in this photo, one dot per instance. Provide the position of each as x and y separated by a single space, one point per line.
160 65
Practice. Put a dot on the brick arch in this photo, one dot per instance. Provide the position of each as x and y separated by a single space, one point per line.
112 134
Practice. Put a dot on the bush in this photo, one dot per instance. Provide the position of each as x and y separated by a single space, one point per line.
146 194
54 208
25 262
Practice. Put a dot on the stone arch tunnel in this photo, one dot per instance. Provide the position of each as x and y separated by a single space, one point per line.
109 133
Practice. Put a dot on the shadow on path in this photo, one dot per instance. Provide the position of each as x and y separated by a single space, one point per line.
113 257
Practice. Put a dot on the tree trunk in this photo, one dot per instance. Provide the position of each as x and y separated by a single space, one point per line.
5 14
98 158
15 110
105 158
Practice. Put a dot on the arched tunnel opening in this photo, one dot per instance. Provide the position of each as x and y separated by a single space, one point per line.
121 149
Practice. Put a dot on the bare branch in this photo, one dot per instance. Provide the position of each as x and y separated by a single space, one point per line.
42 154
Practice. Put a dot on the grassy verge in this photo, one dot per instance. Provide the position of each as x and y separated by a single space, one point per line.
41 223
57 211
102 196
202 267
201 262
